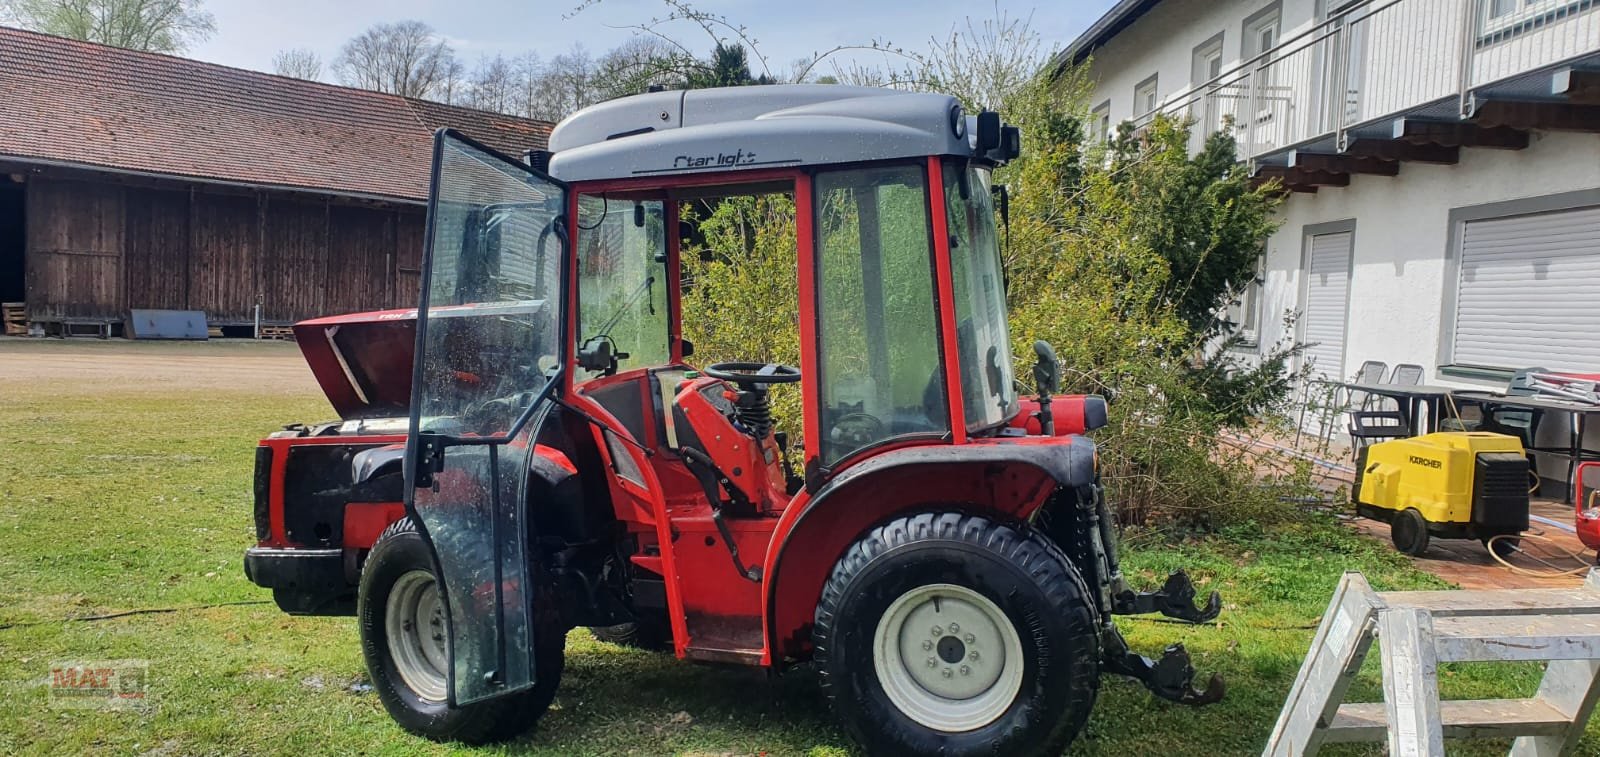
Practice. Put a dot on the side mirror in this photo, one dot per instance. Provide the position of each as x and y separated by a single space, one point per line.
1046 372
988 134
599 355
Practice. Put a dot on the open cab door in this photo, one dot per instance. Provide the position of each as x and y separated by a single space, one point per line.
488 357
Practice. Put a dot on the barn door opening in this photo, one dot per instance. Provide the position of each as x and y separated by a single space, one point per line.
13 266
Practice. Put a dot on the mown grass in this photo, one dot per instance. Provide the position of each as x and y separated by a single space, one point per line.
125 497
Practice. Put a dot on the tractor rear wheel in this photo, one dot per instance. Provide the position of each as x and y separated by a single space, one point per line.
1409 532
952 634
402 625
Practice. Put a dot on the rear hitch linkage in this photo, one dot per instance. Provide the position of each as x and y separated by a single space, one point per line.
1174 600
1171 677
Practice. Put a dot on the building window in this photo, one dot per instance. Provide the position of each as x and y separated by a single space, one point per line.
1522 291
1245 312
1503 19
1207 61
1261 31
1145 97
1100 122
1206 67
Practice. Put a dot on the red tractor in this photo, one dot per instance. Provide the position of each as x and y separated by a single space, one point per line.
531 450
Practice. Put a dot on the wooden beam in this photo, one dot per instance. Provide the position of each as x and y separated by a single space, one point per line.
1544 115
1482 133
1388 149
1348 164
1579 86
1300 179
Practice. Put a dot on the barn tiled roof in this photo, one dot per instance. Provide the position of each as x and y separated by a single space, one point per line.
81 103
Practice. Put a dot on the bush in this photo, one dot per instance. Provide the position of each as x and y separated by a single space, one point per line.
1123 256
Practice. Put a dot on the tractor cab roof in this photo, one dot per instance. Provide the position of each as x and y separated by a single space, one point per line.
755 127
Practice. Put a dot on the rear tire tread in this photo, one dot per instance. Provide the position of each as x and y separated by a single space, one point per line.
1064 591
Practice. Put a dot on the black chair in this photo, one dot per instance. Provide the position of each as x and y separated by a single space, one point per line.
1382 422
1518 422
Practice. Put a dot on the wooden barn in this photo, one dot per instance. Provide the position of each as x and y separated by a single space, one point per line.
132 180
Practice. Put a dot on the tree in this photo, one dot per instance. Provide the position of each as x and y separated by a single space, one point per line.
159 26
984 65
298 63
406 58
493 85
636 65
565 85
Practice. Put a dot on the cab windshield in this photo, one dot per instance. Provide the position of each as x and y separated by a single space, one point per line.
988 390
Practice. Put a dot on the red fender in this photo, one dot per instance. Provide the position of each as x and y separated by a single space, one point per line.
1009 479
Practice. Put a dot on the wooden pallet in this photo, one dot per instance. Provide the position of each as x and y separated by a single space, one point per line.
1418 630
277 332
14 315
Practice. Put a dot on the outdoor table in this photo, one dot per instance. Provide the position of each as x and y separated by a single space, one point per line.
1577 423
1413 400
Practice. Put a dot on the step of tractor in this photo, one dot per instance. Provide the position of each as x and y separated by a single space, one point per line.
1443 604
727 656
1479 718
651 563
1512 637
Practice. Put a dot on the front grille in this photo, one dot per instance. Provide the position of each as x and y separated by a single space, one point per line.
263 488
1500 491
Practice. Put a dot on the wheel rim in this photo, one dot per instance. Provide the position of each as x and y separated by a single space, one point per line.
415 628
948 658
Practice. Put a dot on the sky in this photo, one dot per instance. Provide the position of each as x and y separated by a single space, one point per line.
250 32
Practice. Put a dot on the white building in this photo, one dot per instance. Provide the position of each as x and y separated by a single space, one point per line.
1442 157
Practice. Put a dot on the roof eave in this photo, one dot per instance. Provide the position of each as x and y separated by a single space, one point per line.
1121 15
26 160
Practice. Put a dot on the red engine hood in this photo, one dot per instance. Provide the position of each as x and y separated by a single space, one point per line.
362 360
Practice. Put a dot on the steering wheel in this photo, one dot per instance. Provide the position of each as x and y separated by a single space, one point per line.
856 429
747 374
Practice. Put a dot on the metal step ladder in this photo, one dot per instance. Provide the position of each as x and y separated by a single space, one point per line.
1418 630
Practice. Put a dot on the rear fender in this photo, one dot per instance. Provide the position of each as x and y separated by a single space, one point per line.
1007 479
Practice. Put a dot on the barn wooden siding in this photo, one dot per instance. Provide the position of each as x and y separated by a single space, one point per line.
96 249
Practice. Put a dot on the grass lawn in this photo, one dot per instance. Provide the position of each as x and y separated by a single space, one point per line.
125 489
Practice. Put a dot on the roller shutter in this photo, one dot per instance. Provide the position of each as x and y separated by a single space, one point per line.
1527 292
1327 293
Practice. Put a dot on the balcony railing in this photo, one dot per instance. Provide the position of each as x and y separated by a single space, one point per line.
1380 59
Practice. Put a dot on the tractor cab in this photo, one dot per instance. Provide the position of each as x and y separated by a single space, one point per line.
568 456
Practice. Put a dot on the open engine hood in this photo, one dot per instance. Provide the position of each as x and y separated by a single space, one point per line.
362 361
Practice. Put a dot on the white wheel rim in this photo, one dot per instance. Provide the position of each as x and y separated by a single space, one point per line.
948 658
414 626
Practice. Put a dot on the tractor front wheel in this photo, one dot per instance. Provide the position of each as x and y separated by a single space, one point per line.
951 634
403 629
1409 532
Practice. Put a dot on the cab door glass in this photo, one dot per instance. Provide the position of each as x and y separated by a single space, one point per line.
879 362
983 343
622 280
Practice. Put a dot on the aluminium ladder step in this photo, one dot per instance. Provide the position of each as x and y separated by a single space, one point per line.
1415 631
1479 602
1465 719
1511 637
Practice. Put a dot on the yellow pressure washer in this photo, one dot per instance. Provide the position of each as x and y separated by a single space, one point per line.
1447 485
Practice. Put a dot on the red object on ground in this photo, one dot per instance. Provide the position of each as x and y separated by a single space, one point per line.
1587 516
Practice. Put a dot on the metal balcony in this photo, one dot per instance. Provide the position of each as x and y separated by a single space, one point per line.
1388 81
